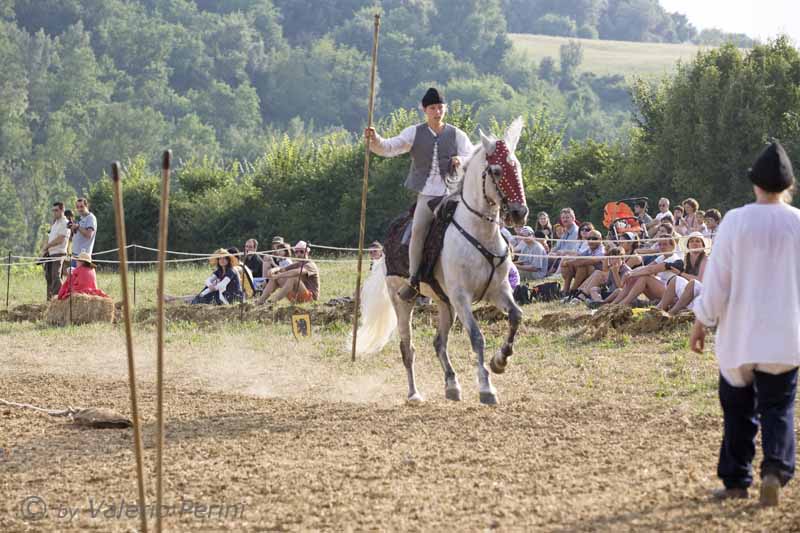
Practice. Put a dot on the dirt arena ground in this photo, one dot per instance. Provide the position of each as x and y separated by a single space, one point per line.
280 435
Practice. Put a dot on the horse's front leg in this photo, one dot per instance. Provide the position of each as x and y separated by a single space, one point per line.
504 301
463 305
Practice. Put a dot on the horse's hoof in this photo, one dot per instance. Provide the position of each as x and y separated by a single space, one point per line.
488 398
498 363
453 394
415 398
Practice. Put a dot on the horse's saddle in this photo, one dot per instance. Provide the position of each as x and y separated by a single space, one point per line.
399 236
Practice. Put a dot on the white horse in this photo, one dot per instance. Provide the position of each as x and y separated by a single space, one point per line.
473 266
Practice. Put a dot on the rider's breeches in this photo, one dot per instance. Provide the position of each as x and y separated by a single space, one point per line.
423 216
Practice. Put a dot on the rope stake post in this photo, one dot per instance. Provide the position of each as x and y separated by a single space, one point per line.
135 268
119 219
364 187
163 225
8 279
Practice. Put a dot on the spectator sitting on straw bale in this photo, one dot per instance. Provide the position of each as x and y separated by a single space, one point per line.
298 282
82 279
223 286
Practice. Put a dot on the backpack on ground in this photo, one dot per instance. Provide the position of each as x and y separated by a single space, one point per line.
547 292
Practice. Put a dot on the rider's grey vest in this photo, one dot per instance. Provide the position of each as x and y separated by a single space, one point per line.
422 155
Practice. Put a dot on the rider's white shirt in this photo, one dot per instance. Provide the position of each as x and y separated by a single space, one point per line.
394 146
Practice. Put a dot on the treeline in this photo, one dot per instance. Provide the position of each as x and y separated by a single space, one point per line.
620 20
84 82
697 134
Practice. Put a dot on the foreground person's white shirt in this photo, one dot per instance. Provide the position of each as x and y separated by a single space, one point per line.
751 291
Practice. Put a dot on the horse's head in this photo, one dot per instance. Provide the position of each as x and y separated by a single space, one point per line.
503 175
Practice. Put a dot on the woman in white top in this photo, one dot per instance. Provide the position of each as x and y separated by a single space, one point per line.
751 292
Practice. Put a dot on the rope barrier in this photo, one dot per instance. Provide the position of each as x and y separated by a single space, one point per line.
26 260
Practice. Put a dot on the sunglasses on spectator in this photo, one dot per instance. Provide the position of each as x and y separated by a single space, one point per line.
592 239
586 229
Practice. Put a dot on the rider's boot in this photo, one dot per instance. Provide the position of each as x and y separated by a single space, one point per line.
410 292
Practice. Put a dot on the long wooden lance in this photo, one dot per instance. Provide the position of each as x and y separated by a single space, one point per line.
364 186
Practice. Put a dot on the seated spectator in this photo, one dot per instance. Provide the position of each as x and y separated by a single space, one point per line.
712 219
583 232
686 285
567 243
691 220
223 286
531 260
522 235
648 253
640 209
558 232
251 259
663 211
82 279
543 225
576 271
269 259
604 284
629 243
246 280
280 257
651 280
677 216
298 282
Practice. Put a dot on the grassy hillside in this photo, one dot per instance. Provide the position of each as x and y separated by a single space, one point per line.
611 57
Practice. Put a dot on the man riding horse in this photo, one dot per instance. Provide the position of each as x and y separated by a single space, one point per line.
437 150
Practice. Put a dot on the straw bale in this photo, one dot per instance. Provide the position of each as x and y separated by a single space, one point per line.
26 313
80 309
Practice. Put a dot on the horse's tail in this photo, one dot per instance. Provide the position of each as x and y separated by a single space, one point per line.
378 318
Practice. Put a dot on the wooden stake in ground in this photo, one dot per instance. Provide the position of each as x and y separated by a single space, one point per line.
119 219
362 225
163 221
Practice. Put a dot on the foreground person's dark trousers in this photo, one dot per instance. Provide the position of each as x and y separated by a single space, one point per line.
770 401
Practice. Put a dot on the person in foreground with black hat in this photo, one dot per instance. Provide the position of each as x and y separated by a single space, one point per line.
751 292
437 150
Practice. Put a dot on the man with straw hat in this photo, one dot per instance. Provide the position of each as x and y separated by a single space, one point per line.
437 150
298 282
751 292
82 279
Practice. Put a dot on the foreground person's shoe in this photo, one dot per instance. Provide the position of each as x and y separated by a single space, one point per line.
729 494
770 490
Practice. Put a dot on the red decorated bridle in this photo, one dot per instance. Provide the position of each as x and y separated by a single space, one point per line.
504 172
